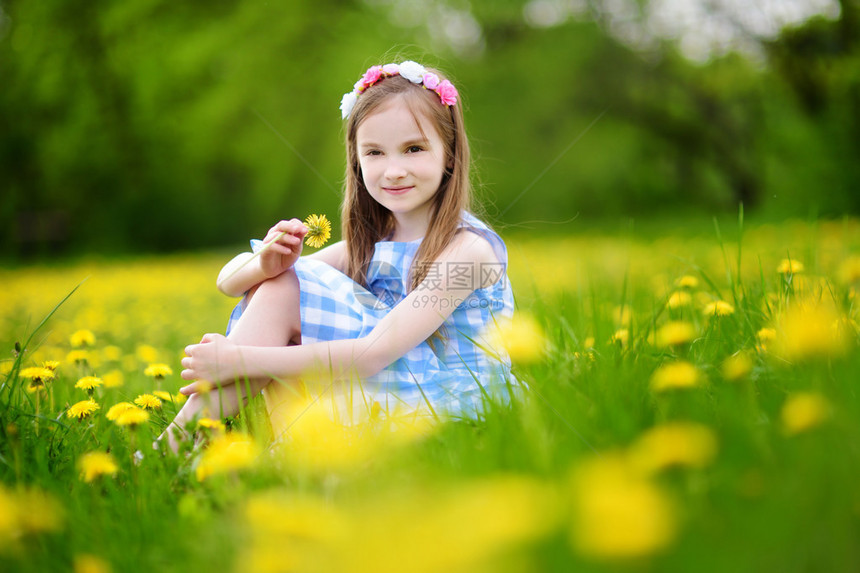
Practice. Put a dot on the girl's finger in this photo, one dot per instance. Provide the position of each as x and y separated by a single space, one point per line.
188 390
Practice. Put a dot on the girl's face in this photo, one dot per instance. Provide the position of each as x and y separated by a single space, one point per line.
402 164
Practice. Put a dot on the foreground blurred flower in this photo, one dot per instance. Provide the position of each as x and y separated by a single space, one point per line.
679 299
117 409
95 464
683 444
618 514
131 417
789 267
680 374
84 563
82 338
158 371
168 397
228 453
82 409
804 411
849 270
319 230
148 402
675 333
737 366
522 337
621 337
809 332
688 282
210 424
718 308
38 511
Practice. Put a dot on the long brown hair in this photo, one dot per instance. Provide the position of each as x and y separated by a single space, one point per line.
364 221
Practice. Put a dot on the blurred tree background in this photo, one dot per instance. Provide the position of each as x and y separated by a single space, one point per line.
147 125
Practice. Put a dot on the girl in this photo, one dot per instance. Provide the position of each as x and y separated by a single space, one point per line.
401 304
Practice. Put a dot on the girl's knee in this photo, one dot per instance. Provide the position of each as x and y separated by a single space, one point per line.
285 283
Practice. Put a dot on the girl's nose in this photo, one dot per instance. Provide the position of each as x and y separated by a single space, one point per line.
394 170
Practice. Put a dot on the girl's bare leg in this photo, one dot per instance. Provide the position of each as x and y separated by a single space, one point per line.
271 318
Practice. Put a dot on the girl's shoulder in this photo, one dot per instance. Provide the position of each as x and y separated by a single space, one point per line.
471 223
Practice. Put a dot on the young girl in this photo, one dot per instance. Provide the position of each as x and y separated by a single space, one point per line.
401 306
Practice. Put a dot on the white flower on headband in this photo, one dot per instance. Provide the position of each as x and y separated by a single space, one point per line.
347 103
412 71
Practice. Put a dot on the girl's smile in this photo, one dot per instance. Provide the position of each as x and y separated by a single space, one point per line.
402 160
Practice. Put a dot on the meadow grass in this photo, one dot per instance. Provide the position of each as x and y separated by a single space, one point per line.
687 401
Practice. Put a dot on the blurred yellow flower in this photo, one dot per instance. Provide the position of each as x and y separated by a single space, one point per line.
82 338
522 337
680 374
113 379
810 331
737 366
78 357
789 266
718 308
210 424
684 444
88 383
679 299
675 333
621 337
112 353
84 563
688 282
82 409
146 353
804 411
158 371
148 402
38 511
117 409
319 230
131 417
765 335
618 513
95 464
227 453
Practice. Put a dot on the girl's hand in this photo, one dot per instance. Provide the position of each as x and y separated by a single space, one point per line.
215 361
282 252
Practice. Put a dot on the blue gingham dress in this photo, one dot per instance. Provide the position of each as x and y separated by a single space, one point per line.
451 374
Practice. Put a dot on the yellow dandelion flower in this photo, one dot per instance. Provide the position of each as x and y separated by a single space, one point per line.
82 409
132 417
804 411
679 299
95 464
78 357
319 230
687 282
162 395
38 511
112 353
85 563
82 338
88 383
765 335
737 366
51 365
789 267
210 424
227 453
588 342
618 513
806 332
113 379
37 375
148 402
621 337
676 444
114 412
718 308
680 374
522 337
146 353
675 333
158 371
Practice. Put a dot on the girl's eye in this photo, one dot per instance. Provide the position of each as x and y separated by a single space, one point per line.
414 149
373 152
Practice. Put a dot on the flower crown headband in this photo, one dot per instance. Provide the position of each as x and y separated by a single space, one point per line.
412 71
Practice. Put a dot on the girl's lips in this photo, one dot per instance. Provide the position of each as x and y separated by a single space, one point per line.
397 190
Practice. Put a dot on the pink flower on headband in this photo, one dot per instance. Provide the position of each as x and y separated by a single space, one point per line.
371 76
447 92
412 71
431 81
